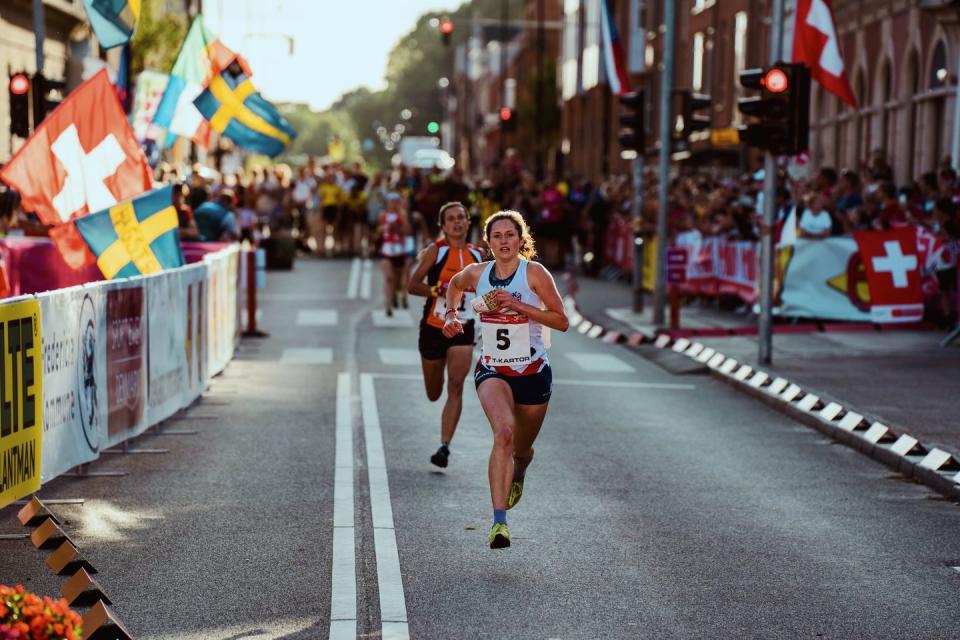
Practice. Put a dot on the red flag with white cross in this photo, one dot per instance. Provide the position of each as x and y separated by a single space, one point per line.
816 43
83 158
892 261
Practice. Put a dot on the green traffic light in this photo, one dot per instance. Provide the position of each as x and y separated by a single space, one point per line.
433 127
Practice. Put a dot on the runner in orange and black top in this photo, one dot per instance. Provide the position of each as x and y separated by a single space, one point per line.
438 263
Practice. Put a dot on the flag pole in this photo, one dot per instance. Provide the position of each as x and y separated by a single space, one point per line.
768 228
666 137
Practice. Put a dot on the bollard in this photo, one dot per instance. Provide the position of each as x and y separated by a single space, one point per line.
252 270
34 513
48 535
83 591
101 623
67 559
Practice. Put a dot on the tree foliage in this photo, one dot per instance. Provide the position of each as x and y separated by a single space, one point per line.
158 38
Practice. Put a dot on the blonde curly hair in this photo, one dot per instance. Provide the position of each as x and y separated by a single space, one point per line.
528 250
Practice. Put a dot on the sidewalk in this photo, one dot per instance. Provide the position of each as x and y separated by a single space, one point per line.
901 378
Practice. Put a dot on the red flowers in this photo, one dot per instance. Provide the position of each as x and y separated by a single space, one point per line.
25 616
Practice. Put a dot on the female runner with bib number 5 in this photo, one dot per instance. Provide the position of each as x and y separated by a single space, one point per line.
439 262
517 299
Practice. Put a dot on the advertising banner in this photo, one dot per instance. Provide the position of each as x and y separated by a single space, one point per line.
167 363
21 391
126 359
194 319
822 279
222 273
74 378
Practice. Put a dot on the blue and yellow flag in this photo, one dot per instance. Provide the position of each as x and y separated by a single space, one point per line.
114 21
235 109
135 237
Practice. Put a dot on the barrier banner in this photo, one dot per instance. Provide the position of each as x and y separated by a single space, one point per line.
167 362
21 399
719 266
126 361
822 279
894 271
192 280
222 273
74 378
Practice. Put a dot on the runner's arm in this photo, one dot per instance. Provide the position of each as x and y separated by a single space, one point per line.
541 283
464 280
416 286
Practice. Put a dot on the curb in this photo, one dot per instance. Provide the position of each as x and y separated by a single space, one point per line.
900 451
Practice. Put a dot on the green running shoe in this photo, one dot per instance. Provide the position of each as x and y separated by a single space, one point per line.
516 491
499 536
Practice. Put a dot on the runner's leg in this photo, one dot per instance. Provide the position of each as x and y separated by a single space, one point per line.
388 284
496 398
433 377
459 360
529 419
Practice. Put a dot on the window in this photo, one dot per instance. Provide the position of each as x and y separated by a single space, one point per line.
571 48
697 80
739 60
590 74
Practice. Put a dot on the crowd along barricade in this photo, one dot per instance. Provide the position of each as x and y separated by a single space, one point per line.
88 367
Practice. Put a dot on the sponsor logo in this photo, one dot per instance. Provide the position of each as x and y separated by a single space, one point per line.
87 374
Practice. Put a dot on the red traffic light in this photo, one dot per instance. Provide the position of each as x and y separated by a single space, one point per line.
505 114
19 84
776 81
446 26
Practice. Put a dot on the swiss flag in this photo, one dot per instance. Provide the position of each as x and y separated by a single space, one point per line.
815 43
892 261
83 158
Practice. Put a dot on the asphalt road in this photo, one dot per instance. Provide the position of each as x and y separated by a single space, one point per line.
658 506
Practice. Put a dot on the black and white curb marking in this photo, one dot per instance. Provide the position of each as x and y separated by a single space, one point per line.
932 466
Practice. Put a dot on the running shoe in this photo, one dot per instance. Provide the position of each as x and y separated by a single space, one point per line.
516 491
441 457
499 536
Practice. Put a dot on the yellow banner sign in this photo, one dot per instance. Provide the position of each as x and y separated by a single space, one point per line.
21 400
728 137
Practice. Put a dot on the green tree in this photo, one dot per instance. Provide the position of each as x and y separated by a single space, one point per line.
157 40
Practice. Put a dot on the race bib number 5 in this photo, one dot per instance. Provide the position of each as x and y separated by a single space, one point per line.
506 340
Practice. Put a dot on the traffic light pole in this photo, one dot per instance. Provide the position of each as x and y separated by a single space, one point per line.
769 226
666 92
39 34
637 232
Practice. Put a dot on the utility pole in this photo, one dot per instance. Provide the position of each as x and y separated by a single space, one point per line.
39 35
666 130
504 18
768 228
637 233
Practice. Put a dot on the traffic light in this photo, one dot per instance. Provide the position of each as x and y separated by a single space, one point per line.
687 119
632 130
446 30
781 113
433 127
506 118
19 88
43 102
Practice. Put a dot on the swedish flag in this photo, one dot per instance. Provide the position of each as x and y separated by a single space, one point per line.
135 237
114 21
235 109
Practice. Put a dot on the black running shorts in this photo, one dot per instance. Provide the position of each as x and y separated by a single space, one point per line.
433 344
534 388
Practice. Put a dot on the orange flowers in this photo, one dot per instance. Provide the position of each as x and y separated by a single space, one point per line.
26 616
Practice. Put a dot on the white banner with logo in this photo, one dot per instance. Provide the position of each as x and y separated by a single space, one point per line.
74 378
126 332
167 361
193 280
222 273
823 279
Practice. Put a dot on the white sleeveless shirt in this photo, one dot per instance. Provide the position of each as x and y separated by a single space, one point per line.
519 287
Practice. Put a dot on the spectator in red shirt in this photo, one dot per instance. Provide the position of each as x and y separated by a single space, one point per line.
891 213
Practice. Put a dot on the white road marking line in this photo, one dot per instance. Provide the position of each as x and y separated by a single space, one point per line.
353 283
366 280
583 383
343 589
316 317
600 363
393 608
401 319
305 355
399 356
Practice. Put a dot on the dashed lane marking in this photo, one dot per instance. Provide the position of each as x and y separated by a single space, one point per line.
353 282
405 357
401 319
306 355
600 363
316 317
366 279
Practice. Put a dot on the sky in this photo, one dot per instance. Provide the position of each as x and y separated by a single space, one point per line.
338 45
